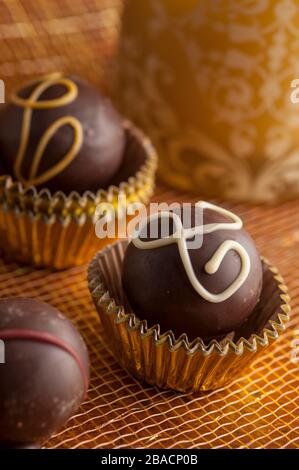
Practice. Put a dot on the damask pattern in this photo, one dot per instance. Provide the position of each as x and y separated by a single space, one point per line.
210 82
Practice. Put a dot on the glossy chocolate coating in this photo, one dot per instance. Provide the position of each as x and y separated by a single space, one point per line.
100 155
42 384
133 159
159 291
2 170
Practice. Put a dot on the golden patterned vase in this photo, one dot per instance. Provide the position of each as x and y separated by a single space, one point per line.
211 83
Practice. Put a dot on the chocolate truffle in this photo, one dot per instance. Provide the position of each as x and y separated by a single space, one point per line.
45 376
60 133
203 291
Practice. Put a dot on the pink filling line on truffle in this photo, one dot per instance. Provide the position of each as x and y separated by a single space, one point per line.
46 338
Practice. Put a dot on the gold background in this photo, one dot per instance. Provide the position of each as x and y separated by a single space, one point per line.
210 82
42 36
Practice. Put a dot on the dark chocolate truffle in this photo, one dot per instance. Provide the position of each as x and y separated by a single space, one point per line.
203 292
62 134
45 375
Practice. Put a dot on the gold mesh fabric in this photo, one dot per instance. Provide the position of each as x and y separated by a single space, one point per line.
259 409
41 36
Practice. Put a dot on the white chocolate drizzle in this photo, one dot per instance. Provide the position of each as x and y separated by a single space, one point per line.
32 103
181 236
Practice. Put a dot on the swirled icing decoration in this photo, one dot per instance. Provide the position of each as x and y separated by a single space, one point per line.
33 103
181 236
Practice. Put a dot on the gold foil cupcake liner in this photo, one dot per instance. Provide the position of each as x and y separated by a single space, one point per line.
58 230
163 360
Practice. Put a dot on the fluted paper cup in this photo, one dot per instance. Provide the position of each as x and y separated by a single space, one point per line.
58 231
175 363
